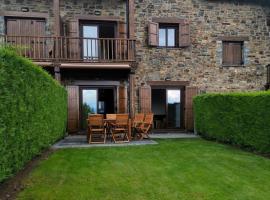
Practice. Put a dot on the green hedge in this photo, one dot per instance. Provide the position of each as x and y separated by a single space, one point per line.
33 111
238 118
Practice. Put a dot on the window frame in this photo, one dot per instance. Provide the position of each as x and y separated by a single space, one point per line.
168 26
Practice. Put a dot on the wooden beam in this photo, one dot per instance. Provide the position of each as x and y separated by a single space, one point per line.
168 83
57 74
24 14
131 19
56 13
234 38
132 94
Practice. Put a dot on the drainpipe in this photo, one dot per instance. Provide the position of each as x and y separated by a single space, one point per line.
127 18
267 86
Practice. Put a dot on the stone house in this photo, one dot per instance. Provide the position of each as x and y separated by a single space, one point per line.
128 56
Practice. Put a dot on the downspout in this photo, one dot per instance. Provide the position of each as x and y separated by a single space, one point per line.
127 18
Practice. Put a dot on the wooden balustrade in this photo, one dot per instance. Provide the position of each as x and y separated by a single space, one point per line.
72 49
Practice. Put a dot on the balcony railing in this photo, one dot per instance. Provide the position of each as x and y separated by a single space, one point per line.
72 49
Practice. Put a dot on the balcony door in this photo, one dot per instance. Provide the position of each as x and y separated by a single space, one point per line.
90 41
96 40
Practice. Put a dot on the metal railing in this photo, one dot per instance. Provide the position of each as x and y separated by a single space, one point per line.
72 49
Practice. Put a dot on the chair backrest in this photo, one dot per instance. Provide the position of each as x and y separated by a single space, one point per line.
95 120
111 116
122 119
149 118
139 117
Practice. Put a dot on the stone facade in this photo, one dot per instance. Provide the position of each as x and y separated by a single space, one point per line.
70 9
201 62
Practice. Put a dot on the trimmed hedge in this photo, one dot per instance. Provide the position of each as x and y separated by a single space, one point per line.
33 111
238 118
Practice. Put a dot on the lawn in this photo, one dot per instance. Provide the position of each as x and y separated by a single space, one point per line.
174 169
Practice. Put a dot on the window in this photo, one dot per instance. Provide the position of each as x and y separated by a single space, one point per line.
168 32
232 53
168 36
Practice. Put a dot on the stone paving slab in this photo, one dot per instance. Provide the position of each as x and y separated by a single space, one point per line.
173 135
80 142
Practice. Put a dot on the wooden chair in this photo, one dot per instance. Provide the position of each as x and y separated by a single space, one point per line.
144 129
96 129
138 120
120 129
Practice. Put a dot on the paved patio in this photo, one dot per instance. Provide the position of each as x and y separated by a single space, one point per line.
79 141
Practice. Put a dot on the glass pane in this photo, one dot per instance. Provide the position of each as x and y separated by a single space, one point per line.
174 106
171 37
89 104
162 37
90 44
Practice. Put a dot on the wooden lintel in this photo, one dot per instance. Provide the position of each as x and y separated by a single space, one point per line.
168 20
234 38
24 14
168 83
97 18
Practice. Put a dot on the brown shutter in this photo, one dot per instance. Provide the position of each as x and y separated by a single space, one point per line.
122 99
184 35
153 29
237 53
226 58
122 29
13 27
73 108
73 41
145 99
189 119
121 47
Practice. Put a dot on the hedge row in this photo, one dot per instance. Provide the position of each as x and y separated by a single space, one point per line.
238 118
33 111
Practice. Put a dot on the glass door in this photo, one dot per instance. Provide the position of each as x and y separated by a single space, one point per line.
89 104
173 108
90 43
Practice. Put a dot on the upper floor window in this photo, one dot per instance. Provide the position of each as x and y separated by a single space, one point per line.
168 36
169 32
232 53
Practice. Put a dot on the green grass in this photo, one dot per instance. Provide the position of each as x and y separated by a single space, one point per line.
174 169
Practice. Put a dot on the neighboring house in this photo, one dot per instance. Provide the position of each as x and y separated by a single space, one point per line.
119 56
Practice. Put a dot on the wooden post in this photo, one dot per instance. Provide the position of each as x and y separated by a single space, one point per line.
131 19
56 13
57 74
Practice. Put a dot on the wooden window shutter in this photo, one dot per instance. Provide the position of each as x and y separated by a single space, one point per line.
73 108
145 99
153 29
189 118
73 41
122 99
122 29
184 34
237 53
232 53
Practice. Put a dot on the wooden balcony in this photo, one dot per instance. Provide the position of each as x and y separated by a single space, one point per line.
72 49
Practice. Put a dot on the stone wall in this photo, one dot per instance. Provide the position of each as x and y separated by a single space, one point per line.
200 63
40 6
72 8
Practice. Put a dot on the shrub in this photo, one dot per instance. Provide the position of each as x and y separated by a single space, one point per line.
33 111
237 118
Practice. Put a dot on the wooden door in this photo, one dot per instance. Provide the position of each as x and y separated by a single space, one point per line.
145 99
189 118
73 108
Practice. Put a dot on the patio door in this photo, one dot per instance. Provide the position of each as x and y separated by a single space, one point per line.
174 108
89 104
96 100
